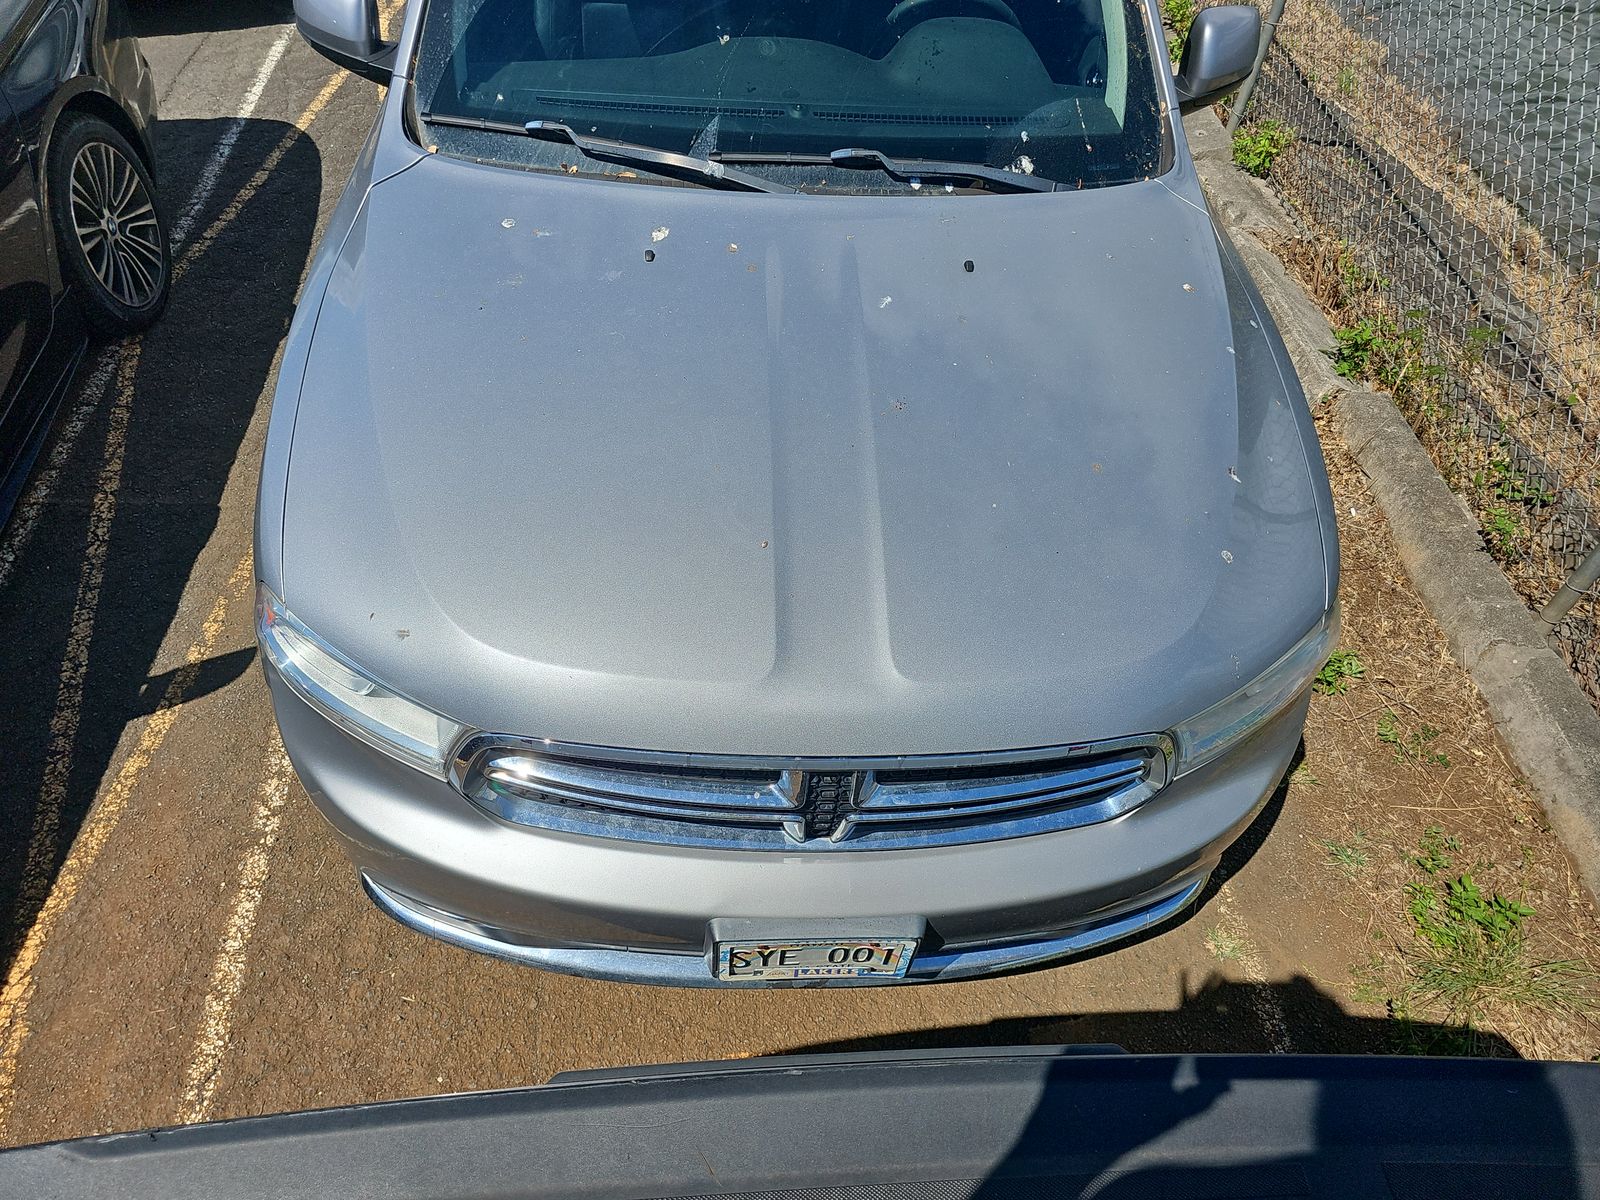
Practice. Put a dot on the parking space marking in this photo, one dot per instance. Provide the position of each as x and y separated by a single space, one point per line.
97 829
44 840
230 138
227 972
230 213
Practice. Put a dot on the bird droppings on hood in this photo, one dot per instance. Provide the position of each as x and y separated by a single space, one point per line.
722 40
916 184
432 149
612 275
751 268
1231 350
659 233
649 256
1234 475
1024 135
402 634
1253 325
763 545
969 266
1188 287
508 223
1023 165
885 302
733 247
1227 556
1095 467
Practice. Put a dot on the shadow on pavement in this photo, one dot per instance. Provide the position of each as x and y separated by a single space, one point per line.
79 660
1219 1016
164 18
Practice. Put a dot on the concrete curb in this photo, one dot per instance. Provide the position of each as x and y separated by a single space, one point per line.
1547 723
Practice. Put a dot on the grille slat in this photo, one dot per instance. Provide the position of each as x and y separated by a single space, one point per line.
738 803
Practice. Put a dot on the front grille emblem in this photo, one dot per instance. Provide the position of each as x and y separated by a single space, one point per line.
822 800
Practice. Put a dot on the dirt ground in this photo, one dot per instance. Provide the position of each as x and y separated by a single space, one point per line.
186 942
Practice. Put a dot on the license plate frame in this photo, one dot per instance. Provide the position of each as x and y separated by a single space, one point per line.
812 959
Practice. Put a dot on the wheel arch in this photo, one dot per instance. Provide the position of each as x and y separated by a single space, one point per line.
87 95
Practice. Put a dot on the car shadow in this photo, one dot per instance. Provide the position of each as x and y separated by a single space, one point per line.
95 589
165 18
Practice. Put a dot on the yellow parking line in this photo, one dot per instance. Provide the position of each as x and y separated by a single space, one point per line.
197 248
96 831
44 842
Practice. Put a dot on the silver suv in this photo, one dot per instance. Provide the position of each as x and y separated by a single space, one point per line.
787 491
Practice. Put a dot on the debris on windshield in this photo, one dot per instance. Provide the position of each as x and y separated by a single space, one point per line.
1023 165
659 234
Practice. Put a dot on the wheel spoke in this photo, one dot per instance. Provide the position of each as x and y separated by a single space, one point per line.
144 212
141 285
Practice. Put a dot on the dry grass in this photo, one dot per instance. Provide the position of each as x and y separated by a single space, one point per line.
1351 780
1513 424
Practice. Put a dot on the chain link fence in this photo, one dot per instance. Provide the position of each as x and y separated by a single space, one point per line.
1440 162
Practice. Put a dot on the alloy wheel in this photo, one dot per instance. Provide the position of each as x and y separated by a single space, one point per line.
116 225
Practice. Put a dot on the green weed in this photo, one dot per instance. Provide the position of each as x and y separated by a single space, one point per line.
1223 944
1434 850
1257 148
1503 531
1350 857
1392 355
1504 481
1342 669
1346 81
1412 746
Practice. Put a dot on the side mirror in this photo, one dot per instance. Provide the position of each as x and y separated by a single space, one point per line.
1218 53
347 32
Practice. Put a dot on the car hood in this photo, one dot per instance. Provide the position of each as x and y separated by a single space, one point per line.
681 469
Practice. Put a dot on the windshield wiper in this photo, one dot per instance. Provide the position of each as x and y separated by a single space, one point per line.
927 168
629 154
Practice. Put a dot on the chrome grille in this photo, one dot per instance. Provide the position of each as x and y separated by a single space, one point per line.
811 804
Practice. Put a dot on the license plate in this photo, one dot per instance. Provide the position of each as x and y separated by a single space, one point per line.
815 958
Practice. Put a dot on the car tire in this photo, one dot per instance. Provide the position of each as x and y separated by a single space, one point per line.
110 231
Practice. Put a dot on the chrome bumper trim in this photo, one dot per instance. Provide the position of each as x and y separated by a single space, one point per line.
692 970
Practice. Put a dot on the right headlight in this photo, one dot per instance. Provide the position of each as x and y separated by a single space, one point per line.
1228 722
345 695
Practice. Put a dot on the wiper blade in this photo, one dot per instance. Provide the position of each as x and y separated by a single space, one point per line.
927 168
629 154
664 162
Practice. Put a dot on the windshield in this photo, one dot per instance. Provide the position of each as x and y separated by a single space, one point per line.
1061 89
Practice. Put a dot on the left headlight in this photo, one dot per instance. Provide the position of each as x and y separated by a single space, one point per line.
340 691
1227 723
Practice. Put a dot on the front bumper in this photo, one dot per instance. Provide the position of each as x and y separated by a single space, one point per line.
641 912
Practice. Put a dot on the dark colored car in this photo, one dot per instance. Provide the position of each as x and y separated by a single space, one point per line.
83 243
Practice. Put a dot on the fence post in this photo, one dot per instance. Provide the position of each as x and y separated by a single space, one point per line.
1574 589
1269 30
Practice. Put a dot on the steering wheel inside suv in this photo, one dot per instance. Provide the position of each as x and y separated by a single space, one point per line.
912 12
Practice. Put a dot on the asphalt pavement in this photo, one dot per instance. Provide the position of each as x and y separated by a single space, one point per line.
181 937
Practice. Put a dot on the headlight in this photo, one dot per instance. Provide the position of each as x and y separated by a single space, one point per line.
341 692
1227 723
